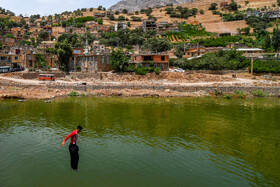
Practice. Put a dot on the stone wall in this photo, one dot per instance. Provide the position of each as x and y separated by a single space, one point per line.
81 75
34 75
273 91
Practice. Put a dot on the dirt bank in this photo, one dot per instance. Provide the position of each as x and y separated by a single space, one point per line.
127 85
45 93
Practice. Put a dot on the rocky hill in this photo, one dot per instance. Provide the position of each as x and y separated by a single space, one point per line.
134 5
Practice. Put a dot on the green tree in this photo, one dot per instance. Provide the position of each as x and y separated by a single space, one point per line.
64 23
100 7
64 51
124 11
112 17
41 59
33 41
24 42
22 21
43 36
119 61
233 6
1 45
267 42
150 34
213 6
276 39
157 44
100 21
179 50
9 35
121 18
194 11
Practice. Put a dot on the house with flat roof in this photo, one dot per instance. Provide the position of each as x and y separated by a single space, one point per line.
18 32
47 44
30 60
194 49
151 59
97 62
120 25
149 25
12 60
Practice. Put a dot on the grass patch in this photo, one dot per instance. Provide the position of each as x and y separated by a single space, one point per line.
259 93
239 94
228 96
73 93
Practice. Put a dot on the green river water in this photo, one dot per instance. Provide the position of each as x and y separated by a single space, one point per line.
142 142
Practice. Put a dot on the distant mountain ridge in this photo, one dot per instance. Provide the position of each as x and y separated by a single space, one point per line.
134 5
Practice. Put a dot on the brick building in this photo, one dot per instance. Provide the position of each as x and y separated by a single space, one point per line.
12 60
91 63
157 60
30 61
193 49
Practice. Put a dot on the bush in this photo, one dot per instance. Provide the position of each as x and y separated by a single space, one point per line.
259 93
130 68
213 6
141 71
239 94
135 18
268 66
221 60
218 93
228 96
73 93
157 70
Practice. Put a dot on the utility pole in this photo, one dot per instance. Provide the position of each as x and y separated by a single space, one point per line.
74 22
252 64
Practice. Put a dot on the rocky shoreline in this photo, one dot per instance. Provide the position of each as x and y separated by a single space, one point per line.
25 86
11 90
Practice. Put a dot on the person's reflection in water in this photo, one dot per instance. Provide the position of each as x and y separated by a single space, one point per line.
73 148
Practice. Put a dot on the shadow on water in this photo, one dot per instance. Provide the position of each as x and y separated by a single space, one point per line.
143 141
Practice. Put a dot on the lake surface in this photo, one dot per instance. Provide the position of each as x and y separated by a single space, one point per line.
142 142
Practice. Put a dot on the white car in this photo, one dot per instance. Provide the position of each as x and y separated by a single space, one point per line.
179 70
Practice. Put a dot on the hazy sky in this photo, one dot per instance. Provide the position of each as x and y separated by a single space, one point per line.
42 7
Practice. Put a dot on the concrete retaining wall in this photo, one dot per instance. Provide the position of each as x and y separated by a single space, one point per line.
80 75
273 91
34 75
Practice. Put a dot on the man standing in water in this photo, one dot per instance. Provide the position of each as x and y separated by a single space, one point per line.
73 148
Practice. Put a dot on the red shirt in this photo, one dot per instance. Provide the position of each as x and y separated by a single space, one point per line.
74 137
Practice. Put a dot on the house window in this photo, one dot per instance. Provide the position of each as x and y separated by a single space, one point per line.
29 57
30 63
108 59
162 58
162 67
155 65
148 58
102 59
3 58
147 65
16 57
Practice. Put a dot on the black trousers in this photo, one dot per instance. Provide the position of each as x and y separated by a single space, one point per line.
74 154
